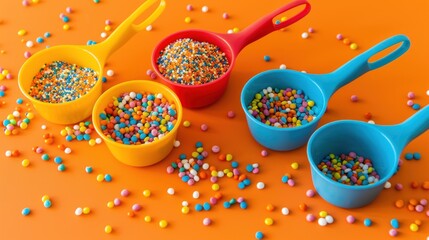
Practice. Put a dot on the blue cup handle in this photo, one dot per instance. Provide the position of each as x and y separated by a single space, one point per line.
361 64
403 133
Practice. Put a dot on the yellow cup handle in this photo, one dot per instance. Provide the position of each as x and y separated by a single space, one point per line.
126 30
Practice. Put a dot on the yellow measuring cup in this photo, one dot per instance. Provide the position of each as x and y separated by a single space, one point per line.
92 56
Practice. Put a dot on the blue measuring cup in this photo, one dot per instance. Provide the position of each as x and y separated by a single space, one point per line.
318 87
382 144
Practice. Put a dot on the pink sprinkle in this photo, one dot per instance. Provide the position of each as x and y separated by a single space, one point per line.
215 149
207 221
213 200
204 127
108 22
225 15
191 182
181 174
136 207
213 179
61 15
9 76
27 54
310 30
264 153
427 213
189 7
393 232
350 219
230 114
340 36
255 170
291 182
240 199
153 75
310 193
354 98
116 201
39 150
410 103
149 72
411 95
310 217
125 193
170 169
419 208
399 186
25 3
3 88
69 10
423 202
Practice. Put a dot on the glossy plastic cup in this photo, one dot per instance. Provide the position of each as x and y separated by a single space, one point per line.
93 56
382 144
197 96
144 154
318 87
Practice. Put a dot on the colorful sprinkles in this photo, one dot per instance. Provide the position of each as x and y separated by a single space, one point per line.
283 107
136 118
190 62
349 169
60 82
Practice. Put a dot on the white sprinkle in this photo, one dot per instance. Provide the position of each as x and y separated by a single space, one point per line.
185 203
29 44
67 150
205 9
103 35
196 194
329 219
322 222
78 211
110 73
260 185
282 66
170 191
304 35
149 28
285 211
387 185
43 127
176 143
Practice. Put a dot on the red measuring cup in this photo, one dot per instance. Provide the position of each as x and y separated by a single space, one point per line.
196 96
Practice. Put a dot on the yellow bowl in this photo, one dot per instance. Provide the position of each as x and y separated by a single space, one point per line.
144 154
93 56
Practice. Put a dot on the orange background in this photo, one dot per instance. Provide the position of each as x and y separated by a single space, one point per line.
383 93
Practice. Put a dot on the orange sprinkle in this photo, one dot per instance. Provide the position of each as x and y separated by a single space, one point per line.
399 203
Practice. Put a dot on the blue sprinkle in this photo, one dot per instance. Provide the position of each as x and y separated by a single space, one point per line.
26 211
207 206
198 207
367 222
58 160
394 223
226 204
417 156
107 178
259 235
408 156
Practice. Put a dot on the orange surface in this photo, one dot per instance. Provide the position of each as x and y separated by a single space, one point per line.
383 93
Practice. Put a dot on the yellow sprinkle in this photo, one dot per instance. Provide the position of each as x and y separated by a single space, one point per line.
108 229
100 177
295 165
186 123
110 204
269 221
107 28
22 32
353 46
215 187
146 193
228 157
147 218
187 19
323 214
414 227
185 210
236 30
86 210
66 27
91 142
45 197
25 162
163 223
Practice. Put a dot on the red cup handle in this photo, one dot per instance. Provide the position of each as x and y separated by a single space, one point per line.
265 26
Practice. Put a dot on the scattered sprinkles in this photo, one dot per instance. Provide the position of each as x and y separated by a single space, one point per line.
191 62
